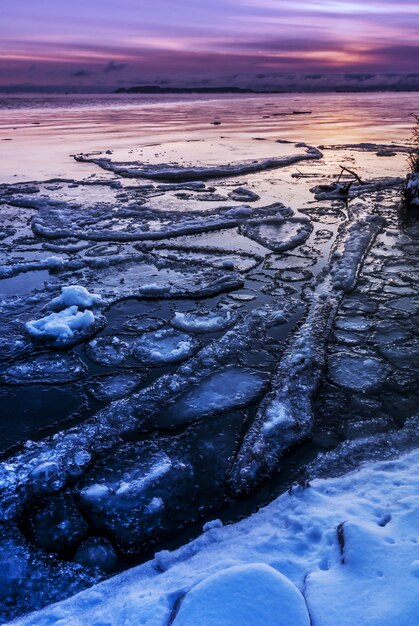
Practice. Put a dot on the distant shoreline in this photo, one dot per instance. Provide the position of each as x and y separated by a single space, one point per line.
156 90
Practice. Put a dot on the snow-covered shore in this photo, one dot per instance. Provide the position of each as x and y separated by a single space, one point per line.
350 545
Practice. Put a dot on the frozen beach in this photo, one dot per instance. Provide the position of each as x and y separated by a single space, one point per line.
205 306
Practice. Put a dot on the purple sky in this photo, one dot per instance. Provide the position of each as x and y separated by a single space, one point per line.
124 42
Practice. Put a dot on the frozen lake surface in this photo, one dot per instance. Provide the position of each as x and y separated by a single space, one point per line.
193 317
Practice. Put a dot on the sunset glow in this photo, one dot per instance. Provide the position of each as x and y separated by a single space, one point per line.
106 44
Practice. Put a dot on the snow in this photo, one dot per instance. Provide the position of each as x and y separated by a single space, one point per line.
178 173
350 545
203 322
75 295
164 346
61 329
254 594
412 190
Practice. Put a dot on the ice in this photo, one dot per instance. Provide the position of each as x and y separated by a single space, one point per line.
356 323
112 387
97 552
121 224
230 388
203 321
254 594
147 490
280 234
109 350
402 355
164 346
349 545
45 369
30 579
176 173
357 372
285 416
340 190
47 465
55 524
411 190
66 328
75 295
141 323
241 194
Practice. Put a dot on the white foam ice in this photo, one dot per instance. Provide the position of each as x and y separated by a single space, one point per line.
164 346
65 328
203 322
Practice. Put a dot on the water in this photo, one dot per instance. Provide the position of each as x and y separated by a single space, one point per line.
39 133
157 254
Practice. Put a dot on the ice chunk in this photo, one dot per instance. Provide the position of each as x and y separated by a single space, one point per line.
66 328
114 386
279 234
230 388
44 369
402 355
241 194
97 552
254 594
141 323
164 346
55 524
204 322
147 490
75 295
178 173
109 350
357 372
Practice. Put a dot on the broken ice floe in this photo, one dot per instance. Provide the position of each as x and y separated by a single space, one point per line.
345 370
110 387
43 368
46 466
280 234
227 389
203 321
66 328
145 491
285 416
164 346
108 350
167 172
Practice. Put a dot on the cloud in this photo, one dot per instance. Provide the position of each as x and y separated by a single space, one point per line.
81 74
114 67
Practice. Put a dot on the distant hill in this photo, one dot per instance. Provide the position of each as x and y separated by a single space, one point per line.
176 90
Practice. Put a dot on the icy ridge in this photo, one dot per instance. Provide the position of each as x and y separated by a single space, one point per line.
183 174
285 417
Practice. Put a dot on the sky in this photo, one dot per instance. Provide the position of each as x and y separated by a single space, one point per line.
114 43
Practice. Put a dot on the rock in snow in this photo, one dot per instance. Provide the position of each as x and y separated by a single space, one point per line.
254 594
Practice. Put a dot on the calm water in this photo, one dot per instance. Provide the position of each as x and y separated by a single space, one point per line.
38 134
